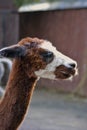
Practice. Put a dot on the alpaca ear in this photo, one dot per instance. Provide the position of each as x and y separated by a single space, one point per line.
13 51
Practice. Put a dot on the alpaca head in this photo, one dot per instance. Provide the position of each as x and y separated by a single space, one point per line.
40 58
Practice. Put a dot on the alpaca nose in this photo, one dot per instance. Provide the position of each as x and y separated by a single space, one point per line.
73 65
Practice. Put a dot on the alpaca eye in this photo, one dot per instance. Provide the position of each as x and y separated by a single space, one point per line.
47 56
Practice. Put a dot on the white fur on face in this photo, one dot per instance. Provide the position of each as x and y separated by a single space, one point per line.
59 59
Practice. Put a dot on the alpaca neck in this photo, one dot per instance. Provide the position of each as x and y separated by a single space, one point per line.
17 98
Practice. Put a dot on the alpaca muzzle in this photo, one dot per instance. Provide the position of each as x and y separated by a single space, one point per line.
63 72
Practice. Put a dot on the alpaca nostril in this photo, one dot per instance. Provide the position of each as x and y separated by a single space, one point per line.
73 65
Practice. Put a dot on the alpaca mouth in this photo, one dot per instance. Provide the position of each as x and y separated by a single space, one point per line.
62 72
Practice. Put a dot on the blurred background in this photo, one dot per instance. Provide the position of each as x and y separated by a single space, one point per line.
64 23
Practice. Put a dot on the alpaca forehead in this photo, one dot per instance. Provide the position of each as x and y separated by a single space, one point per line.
48 45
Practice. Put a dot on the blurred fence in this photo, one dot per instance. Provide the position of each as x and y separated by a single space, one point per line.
8 27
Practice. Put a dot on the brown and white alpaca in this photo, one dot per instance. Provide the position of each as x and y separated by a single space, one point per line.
33 58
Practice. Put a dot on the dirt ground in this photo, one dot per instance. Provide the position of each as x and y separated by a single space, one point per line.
50 111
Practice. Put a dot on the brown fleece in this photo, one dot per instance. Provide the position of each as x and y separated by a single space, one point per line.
17 97
20 86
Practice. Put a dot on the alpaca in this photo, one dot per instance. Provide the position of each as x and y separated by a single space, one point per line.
33 58
5 67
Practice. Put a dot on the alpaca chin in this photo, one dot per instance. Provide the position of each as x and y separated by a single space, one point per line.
45 74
